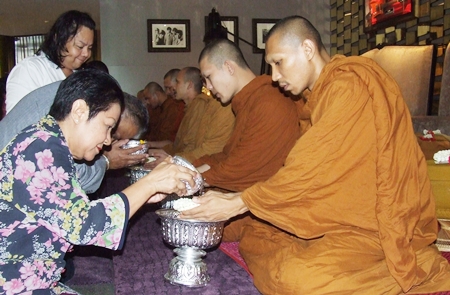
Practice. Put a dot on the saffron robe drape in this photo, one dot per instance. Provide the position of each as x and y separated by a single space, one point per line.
168 121
352 211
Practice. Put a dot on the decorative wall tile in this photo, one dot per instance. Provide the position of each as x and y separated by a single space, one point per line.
431 26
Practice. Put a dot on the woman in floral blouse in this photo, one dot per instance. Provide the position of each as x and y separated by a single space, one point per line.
43 210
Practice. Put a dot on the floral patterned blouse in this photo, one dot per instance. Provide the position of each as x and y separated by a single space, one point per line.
43 212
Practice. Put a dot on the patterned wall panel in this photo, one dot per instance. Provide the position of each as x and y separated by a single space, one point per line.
431 25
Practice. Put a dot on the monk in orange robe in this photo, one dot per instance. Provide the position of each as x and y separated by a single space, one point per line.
153 113
206 126
351 211
170 84
266 127
169 116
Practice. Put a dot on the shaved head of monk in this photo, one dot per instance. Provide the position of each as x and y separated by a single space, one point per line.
224 69
296 54
188 84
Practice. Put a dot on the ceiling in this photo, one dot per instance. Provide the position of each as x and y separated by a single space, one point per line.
30 17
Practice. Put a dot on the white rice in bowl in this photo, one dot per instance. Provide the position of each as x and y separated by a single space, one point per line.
184 204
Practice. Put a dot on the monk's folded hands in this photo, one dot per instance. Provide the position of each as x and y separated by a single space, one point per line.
216 206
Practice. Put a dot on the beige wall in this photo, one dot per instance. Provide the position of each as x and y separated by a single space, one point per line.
32 17
122 27
124 32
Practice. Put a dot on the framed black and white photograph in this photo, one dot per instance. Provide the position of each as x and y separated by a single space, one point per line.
168 35
231 23
260 29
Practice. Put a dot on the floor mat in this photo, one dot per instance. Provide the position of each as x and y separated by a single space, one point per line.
140 267
93 265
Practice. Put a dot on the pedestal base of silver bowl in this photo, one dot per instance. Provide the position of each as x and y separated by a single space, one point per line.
187 268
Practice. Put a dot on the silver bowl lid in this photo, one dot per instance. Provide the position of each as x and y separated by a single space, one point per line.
199 181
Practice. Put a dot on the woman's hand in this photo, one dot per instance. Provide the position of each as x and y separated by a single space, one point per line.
157 198
169 178
216 206
165 179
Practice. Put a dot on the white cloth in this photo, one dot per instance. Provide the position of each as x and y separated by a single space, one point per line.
442 157
31 73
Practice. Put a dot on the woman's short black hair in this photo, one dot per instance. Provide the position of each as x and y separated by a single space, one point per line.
98 89
66 27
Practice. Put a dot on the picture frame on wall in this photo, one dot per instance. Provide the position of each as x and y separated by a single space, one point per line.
380 14
231 23
260 28
168 35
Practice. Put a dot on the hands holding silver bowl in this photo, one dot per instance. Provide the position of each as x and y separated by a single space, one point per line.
190 187
167 178
126 153
170 177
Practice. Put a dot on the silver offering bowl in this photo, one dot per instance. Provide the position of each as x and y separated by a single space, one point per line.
134 143
190 237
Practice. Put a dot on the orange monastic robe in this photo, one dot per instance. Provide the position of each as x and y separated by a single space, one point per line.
204 130
352 208
169 119
266 128
153 120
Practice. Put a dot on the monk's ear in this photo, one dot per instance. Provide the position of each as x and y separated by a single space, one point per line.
309 47
229 67
80 111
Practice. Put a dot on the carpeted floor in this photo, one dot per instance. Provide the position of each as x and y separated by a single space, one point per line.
96 289
94 274
140 267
